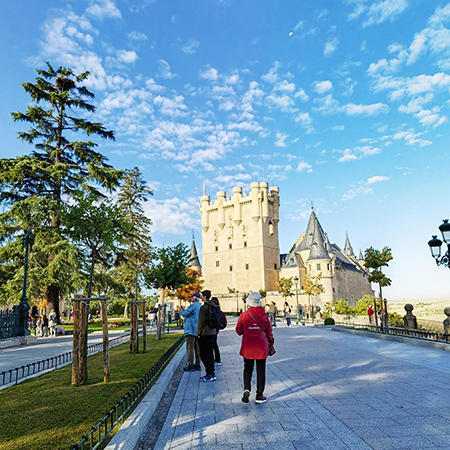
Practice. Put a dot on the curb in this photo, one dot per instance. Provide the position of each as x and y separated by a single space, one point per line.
131 430
402 339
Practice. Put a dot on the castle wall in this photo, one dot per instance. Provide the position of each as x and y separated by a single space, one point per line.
351 285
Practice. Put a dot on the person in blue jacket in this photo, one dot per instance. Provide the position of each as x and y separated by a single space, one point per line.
190 316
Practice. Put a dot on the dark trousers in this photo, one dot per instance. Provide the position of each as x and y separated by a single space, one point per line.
216 350
193 351
260 375
207 352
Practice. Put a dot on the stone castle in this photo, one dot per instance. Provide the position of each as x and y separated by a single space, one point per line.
241 251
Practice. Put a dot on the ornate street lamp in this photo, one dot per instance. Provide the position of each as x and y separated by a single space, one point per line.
435 245
296 298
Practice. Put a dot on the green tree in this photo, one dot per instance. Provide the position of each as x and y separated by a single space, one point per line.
36 185
167 271
137 250
375 260
312 287
285 287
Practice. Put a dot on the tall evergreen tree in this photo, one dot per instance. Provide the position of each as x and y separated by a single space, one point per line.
36 185
137 249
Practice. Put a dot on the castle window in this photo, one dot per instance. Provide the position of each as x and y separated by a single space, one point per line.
318 266
246 267
231 268
275 266
217 248
217 263
245 244
230 246
328 266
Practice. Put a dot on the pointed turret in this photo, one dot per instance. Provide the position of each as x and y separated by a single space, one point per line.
348 250
194 262
318 246
311 230
360 257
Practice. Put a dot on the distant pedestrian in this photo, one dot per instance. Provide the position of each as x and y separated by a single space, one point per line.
287 313
273 314
370 314
52 323
207 334
44 325
190 316
256 331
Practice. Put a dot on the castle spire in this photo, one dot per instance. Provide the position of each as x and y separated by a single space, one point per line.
194 262
348 250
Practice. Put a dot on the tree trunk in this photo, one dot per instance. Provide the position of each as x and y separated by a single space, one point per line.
83 372
76 344
133 328
52 296
125 311
144 329
161 315
106 366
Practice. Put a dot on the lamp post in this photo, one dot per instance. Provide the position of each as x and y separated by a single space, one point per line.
435 245
24 307
296 298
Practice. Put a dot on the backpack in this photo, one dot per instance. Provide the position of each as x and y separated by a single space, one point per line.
223 320
213 317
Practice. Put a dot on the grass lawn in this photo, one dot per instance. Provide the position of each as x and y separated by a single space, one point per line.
48 413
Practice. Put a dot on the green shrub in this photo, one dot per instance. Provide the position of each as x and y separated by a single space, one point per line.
395 320
329 321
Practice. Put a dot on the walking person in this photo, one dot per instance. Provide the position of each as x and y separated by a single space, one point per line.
370 314
287 313
256 331
190 316
45 325
208 322
52 323
273 314
223 324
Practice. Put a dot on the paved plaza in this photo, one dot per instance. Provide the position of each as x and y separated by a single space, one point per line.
326 390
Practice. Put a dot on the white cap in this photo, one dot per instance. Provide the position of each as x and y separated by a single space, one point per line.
254 299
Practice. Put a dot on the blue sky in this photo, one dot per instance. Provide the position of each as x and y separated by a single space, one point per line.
340 103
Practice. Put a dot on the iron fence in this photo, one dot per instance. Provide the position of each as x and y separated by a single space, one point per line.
9 323
14 375
419 334
100 432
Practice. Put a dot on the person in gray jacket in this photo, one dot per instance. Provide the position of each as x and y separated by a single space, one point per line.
190 316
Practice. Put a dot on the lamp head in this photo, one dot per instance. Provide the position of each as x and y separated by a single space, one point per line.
435 247
445 230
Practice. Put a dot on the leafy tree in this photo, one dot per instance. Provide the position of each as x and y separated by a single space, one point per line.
167 272
194 285
375 260
137 250
98 226
312 287
285 287
35 186
362 305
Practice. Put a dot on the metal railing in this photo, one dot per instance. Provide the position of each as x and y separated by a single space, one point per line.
418 334
100 432
9 323
14 375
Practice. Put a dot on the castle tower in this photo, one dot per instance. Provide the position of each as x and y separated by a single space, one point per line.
240 240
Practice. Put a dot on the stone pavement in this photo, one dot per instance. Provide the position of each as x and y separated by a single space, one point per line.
326 390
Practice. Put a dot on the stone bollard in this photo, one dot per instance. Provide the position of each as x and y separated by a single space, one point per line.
409 320
447 320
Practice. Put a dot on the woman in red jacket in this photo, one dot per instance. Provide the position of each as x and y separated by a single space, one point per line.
254 327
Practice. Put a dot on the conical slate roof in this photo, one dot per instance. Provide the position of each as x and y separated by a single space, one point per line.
193 259
348 250
313 231
318 246
361 257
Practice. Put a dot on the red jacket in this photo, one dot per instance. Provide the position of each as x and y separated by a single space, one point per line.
254 342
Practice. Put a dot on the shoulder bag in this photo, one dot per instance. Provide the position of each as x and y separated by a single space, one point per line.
272 350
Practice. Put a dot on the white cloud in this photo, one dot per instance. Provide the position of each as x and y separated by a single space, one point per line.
306 122
191 46
127 56
348 156
281 138
303 166
137 36
104 9
352 193
210 74
330 47
365 110
164 70
302 95
380 11
272 76
323 86
376 179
